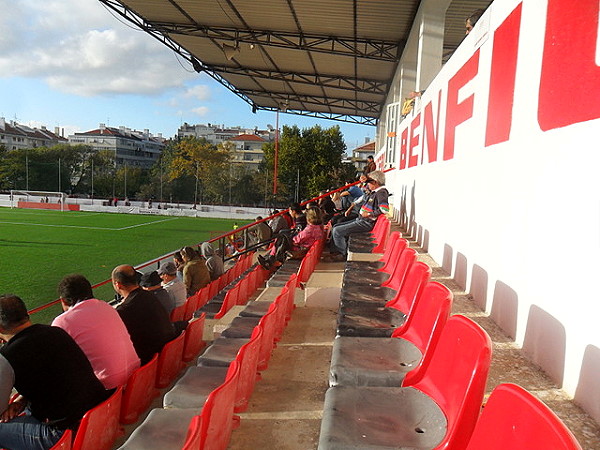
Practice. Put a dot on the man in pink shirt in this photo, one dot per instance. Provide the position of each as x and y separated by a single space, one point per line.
98 330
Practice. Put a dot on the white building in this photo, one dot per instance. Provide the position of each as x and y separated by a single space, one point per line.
16 136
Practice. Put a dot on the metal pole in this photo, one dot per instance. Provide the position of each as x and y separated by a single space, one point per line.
125 182
26 170
92 179
276 159
58 174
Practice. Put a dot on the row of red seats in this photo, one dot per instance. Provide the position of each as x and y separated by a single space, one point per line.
420 372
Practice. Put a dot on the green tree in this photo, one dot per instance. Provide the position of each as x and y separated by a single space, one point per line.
309 160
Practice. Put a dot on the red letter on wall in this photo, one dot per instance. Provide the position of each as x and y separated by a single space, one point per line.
403 148
431 132
570 81
457 113
414 141
502 79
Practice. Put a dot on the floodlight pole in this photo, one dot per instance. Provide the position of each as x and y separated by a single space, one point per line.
276 159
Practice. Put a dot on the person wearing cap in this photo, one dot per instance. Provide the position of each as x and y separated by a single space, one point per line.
146 320
375 204
152 282
172 283
88 321
214 263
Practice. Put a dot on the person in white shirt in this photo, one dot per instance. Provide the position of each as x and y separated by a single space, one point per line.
172 284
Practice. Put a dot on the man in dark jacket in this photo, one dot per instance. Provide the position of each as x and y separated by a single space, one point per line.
55 381
145 318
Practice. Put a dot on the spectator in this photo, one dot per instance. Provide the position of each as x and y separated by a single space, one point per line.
146 320
352 193
214 263
327 207
259 232
297 246
89 321
172 284
336 198
298 216
278 223
152 282
375 204
54 380
472 20
370 167
195 272
179 263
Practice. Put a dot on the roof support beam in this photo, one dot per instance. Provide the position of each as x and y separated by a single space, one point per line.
336 45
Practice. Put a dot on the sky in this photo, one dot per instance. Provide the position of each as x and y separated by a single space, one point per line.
73 64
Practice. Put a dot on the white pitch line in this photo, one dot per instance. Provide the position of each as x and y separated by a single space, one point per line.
87 228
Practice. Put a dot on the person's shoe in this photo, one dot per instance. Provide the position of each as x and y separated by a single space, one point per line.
264 262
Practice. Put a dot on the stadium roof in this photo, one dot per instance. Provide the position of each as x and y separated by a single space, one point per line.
331 59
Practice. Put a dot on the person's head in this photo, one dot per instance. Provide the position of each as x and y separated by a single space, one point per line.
73 289
13 314
124 279
375 179
259 218
178 258
472 19
370 158
207 250
151 281
167 272
188 253
314 216
295 209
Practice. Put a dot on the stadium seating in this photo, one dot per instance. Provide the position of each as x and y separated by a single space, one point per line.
193 342
436 407
65 441
99 427
170 361
139 391
367 361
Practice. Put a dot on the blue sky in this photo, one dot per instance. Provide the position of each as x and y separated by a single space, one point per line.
73 65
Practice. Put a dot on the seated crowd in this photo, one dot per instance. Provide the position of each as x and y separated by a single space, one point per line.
61 371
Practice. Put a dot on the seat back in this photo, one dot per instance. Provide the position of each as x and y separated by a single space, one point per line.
202 297
381 237
282 305
213 288
178 313
267 323
247 357
65 442
193 343
406 299
392 241
513 418
230 300
191 305
291 285
99 427
139 391
243 290
455 377
424 326
394 250
216 419
169 361
405 261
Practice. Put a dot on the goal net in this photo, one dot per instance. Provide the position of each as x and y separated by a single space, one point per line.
40 199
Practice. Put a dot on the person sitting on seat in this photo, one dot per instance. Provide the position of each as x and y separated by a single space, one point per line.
54 380
297 246
299 219
259 232
172 284
146 320
152 282
278 223
195 272
89 321
214 263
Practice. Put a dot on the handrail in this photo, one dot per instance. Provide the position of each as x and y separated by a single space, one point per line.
221 238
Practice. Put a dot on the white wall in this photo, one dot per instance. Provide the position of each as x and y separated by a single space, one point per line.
514 212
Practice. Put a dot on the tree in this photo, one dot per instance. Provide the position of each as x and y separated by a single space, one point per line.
204 162
310 160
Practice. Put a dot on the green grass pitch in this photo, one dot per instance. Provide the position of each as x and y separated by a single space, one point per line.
37 248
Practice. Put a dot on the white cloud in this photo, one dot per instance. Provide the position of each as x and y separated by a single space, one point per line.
199 92
77 47
201 110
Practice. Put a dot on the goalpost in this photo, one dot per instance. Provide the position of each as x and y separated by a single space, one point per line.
37 199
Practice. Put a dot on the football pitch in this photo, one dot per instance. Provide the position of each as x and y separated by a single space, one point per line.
37 248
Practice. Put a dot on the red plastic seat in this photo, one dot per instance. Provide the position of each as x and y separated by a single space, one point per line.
514 419
190 428
268 323
213 289
247 358
381 237
99 427
282 305
169 361
290 304
65 442
202 297
139 392
193 343
178 313
230 300
244 290
191 305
